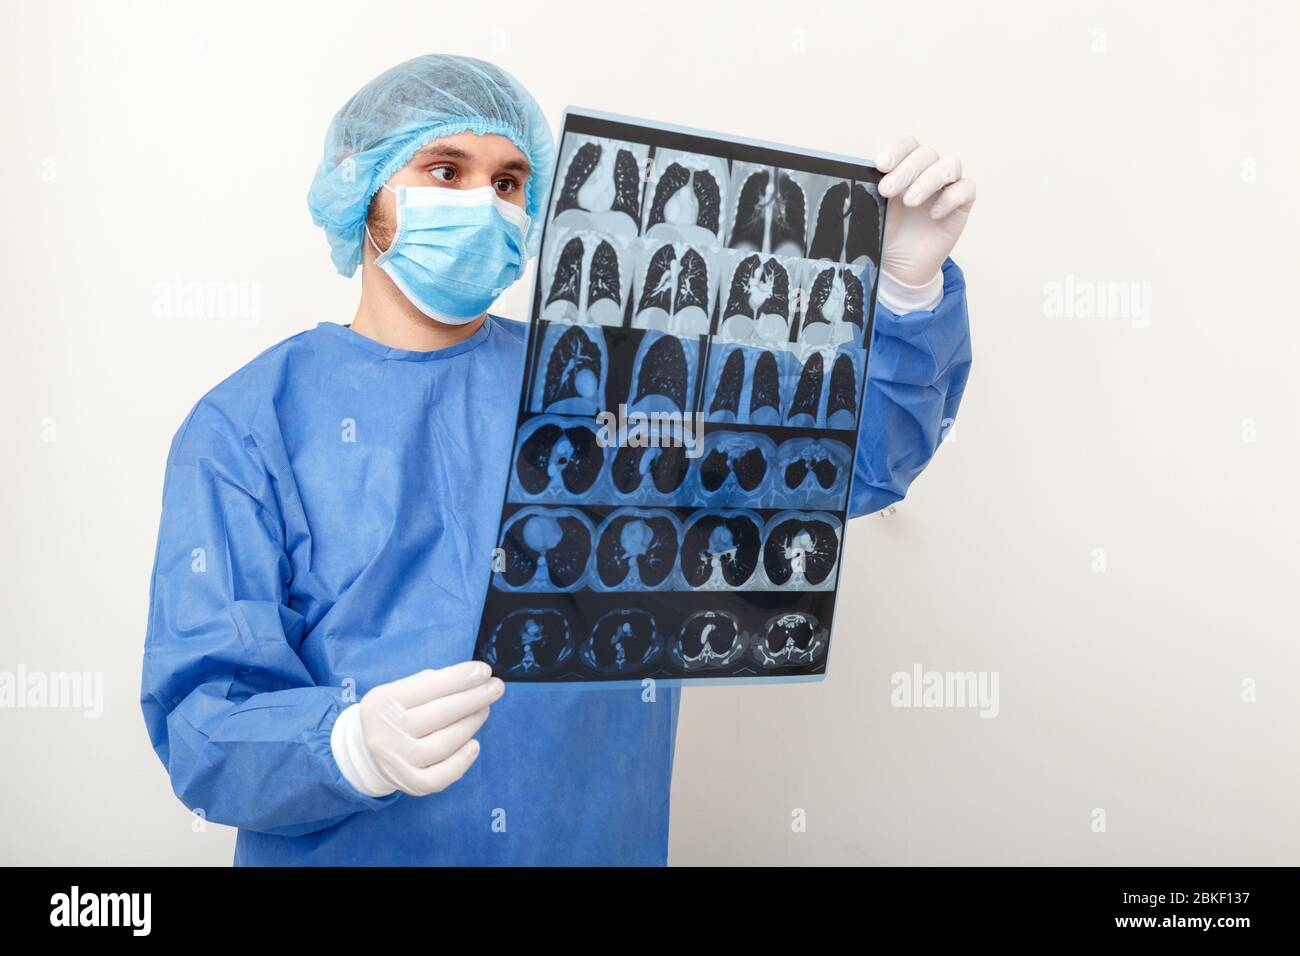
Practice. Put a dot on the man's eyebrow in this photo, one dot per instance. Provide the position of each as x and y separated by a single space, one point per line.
446 152
441 151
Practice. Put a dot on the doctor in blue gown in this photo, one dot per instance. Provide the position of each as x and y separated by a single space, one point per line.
329 513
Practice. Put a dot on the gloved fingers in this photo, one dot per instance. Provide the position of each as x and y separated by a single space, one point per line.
430 684
945 170
960 195
442 775
887 159
400 774
436 714
441 744
417 781
908 168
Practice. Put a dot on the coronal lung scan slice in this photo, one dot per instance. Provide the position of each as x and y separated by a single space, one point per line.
745 387
757 306
664 377
622 641
637 549
686 196
800 550
545 549
602 185
835 308
847 225
558 458
720 549
842 397
675 289
529 642
727 385
840 391
586 278
765 391
572 370
790 638
771 211
805 405
707 640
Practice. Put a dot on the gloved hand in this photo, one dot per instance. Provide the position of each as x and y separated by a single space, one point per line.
929 203
414 734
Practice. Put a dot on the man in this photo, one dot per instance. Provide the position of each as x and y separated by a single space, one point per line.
330 510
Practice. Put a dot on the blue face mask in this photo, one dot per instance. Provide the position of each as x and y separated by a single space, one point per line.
455 250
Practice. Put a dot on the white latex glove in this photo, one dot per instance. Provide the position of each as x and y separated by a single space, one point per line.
414 734
929 203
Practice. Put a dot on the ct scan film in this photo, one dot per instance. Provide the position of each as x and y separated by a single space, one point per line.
686 436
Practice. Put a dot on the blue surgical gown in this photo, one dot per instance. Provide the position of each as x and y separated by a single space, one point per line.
329 513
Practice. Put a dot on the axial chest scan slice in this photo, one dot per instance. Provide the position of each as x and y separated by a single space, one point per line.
544 549
572 371
600 185
720 549
647 473
621 642
708 640
790 638
812 473
687 197
733 469
586 277
529 642
674 287
636 549
558 458
800 550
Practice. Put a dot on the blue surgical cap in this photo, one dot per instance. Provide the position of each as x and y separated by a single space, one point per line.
383 125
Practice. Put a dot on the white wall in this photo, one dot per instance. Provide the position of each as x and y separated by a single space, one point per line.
151 141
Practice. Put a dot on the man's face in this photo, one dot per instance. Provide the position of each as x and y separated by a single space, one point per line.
463 161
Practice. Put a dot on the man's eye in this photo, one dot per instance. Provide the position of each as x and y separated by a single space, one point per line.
506 185
444 173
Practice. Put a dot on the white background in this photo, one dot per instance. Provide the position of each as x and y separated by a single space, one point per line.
151 143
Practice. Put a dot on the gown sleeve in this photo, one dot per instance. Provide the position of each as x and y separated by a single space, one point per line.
916 373
232 711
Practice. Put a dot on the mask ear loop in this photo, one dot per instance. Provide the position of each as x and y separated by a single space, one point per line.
374 245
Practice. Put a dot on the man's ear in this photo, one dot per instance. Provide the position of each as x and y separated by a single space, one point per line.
380 223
